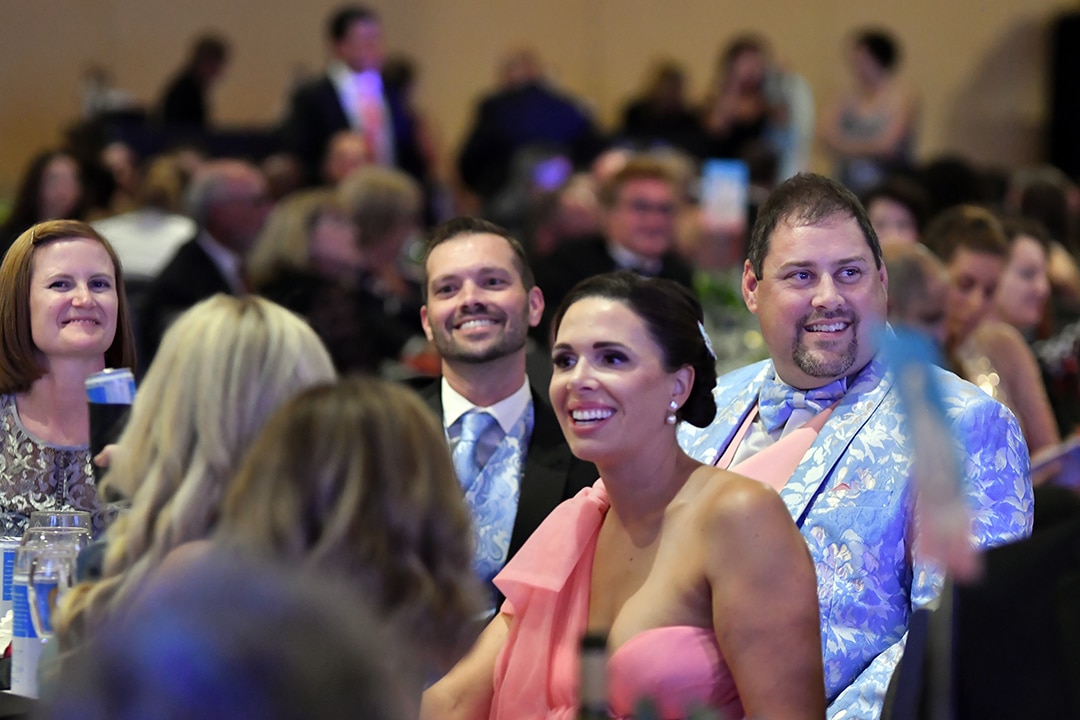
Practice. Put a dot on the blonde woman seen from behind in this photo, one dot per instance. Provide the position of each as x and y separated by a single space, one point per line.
222 370
355 478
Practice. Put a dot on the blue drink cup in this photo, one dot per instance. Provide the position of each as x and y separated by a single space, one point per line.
111 387
110 394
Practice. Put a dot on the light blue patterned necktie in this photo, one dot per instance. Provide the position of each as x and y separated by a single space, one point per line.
473 426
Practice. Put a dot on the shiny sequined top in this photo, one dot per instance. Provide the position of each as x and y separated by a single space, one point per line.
35 475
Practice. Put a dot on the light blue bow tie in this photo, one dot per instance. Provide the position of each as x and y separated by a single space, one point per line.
777 400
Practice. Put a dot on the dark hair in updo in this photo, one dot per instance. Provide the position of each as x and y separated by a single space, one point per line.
671 315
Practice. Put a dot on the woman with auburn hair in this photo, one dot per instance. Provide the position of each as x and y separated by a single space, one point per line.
223 368
63 317
990 353
355 478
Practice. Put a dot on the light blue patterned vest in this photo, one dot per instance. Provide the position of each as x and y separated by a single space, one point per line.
493 498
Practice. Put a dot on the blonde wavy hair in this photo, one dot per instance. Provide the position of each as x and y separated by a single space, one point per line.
222 370
380 201
355 478
283 242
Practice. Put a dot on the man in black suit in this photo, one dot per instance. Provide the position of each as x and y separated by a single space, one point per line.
525 113
228 200
480 300
351 95
641 204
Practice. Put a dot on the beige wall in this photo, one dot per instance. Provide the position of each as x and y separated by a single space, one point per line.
978 64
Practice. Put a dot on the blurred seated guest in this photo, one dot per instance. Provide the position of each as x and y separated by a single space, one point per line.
918 289
1023 299
386 206
346 151
65 317
989 353
897 209
282 243
870 129
353 479
224 367
572 211
696 575
51 188
569 213
223 638
120 161
661 114
1047 195
308 259
737 112
952 180
641 203
283 173
184 102
1024 288
228 201
147 237
524 113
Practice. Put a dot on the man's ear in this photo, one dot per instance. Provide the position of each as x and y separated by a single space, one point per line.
749 287
424 323
536 305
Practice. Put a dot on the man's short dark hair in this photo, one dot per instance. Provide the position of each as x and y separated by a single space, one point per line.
807 199
338 26
904 191
466 225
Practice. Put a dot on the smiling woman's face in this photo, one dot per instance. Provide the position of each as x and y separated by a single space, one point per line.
609 387
73 302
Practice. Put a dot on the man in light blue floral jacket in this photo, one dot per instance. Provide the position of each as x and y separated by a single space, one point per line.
815 279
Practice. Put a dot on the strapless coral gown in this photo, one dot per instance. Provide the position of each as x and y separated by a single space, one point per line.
546 585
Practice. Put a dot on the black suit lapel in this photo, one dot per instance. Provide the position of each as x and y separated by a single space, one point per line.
331 106
544 479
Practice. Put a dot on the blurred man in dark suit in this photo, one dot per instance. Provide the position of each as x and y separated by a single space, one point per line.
351 95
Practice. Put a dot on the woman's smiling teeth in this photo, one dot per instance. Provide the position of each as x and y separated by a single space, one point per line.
591 415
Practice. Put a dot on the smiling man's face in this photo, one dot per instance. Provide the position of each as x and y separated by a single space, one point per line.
820 300
477 307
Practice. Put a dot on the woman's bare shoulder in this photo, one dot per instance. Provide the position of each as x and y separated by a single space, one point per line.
1002 343
729 498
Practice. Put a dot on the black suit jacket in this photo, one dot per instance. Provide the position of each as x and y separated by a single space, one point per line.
315 114
189 277
552 474
533 115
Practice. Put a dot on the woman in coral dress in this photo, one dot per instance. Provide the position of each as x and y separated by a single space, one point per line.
697 576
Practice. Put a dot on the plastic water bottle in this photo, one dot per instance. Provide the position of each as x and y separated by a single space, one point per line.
26 646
